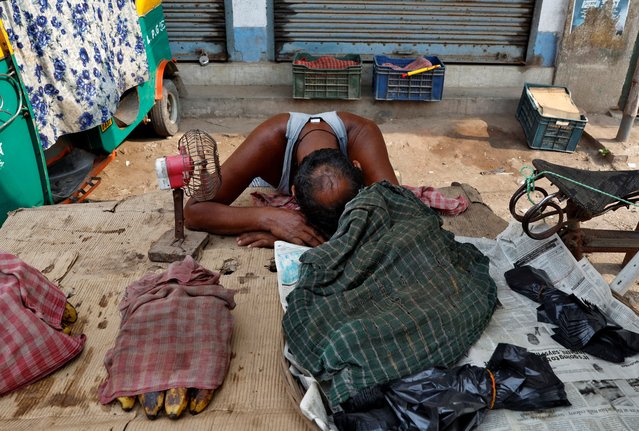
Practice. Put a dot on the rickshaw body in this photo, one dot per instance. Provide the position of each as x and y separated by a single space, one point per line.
25 168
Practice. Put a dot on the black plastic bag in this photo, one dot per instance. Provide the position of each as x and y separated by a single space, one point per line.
524 381
456 398
580 325
367 411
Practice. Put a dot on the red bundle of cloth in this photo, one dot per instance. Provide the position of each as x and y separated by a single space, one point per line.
31 308
326 62
175 332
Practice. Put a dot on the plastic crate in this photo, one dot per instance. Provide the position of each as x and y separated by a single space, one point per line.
309 83
388 83
548 133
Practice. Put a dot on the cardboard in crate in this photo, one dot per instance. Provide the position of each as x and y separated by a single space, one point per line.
389 84
326 77
549 117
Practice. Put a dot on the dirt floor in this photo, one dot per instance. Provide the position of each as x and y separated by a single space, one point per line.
486 152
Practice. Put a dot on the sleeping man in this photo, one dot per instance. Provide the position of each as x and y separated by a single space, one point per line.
323 160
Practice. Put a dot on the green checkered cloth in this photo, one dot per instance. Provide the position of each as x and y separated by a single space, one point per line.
390 294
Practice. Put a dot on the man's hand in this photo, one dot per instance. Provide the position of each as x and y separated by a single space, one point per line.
257 239
291 226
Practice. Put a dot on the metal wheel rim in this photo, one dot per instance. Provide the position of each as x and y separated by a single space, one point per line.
171 107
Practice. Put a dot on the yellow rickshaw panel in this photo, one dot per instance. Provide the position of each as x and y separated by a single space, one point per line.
5 46
144 6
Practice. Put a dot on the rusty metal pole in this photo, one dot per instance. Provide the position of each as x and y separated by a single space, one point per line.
178 209
630 110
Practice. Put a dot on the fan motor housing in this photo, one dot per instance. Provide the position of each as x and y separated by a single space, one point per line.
170 172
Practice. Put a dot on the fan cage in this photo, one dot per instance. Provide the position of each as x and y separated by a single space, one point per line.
201 161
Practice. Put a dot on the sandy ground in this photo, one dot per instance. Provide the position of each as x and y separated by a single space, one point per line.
486 152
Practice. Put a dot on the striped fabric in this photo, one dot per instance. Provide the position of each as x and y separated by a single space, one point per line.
259 182
390 294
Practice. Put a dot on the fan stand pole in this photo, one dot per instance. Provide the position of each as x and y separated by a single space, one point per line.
174 244
178 210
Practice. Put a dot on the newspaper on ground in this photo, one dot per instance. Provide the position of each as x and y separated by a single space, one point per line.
287 262
604 395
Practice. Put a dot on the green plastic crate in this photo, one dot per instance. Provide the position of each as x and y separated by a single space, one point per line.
309 83
548 133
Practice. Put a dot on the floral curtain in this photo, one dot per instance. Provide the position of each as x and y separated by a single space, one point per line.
76 58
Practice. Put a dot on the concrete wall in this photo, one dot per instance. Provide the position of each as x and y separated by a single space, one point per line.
593 61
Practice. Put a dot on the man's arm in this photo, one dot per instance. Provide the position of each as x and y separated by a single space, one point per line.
260 155
366 145
284 224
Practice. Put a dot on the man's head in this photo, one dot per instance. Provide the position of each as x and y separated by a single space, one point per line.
325 181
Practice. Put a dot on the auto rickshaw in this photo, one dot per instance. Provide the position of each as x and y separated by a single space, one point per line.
67 171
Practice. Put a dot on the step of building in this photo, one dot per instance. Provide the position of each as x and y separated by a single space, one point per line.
253 101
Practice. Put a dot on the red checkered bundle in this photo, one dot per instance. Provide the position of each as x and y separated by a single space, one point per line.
31 309
175 332
437 201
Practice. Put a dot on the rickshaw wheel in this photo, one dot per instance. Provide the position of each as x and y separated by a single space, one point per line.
165 114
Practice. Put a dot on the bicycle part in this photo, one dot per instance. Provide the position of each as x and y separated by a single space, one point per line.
537 213
591 203
521 191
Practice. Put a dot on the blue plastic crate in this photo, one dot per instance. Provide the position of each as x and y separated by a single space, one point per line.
388 83
548 133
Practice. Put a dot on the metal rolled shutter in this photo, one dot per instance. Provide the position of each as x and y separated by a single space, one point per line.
479 31
195 26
